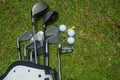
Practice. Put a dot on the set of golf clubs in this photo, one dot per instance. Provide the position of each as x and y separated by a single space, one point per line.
39 42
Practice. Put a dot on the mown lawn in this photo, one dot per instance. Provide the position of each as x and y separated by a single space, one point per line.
96 53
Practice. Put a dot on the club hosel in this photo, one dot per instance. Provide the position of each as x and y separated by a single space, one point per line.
59 49
33 20
19 54
18 43
33 23
44 26
18 49
47 55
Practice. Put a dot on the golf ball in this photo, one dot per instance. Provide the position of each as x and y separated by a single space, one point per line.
71 32
70 40
62 27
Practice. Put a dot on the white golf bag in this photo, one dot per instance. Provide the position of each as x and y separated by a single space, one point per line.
23 70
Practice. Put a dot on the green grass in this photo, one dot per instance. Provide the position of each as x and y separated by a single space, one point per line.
97 47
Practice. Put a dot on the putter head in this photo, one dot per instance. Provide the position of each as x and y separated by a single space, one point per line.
50 17
63 50
66 49
25 36
54 39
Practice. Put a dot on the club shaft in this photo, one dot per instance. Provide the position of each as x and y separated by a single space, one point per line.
19 50
59 67
31 56
45 48
25 54
59 62
47 55
19 54
33 27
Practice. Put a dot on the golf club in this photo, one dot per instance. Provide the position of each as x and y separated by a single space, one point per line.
51 40
38 42
38 36
63 50
49 18
37 9
52 31
31 47
25 36
49 32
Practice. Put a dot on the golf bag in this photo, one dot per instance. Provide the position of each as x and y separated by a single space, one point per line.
23 70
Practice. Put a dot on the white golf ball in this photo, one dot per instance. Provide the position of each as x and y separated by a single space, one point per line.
62 27
70 40
71 32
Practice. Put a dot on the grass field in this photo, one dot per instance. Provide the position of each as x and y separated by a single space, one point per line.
96 53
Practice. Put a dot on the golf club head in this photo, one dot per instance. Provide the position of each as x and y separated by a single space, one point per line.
39 8
38 36
66 49
39 50
39 47
30 46
54 39
50 17
25 36
52 31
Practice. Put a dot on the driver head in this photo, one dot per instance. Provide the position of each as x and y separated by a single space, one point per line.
39 9
50 17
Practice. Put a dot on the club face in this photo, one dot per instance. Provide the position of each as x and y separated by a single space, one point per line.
50 17
39 8
54 39
25 36
52 31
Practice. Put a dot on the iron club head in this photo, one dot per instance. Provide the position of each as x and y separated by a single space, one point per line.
54 39
25 36
52 31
